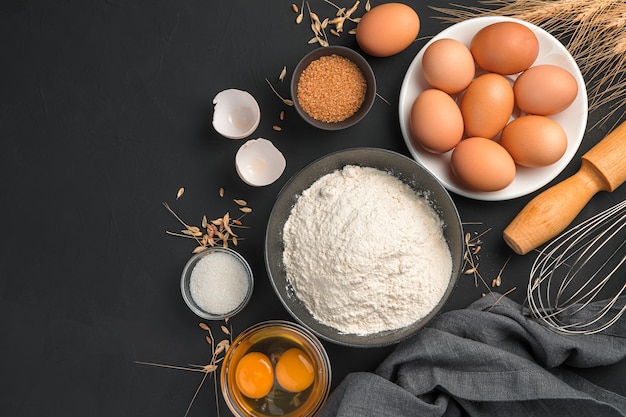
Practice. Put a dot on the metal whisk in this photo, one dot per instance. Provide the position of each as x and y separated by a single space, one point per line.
583 265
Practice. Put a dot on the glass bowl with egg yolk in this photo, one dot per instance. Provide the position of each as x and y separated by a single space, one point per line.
276 368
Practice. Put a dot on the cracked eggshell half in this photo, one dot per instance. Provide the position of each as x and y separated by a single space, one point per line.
236 114
259 162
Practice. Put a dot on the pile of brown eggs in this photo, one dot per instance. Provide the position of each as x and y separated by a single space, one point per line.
469 109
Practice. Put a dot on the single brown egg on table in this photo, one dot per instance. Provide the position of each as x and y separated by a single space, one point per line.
387 29
505 47
482 164
534 141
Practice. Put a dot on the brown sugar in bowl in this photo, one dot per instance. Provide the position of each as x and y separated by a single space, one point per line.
333 87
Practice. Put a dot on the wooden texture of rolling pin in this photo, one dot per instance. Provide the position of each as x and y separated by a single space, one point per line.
603 168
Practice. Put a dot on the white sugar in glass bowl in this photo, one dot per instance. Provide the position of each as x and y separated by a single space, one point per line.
216 283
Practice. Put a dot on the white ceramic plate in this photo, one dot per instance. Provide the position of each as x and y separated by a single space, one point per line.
573 119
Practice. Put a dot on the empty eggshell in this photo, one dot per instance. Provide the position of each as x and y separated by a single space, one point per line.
259 163
236 114
387 29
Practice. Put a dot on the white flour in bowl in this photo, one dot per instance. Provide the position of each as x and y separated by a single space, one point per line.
364 252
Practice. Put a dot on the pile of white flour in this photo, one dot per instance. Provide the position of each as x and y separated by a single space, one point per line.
364 252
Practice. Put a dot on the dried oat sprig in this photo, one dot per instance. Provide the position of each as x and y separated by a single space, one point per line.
497 301
287 101
301 14
318 27
216 232
594 33
343 15
218 351
383 99
471 257
497 281
335 25
471 260
189 231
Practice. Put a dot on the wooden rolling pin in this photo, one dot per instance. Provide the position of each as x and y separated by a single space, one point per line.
548 214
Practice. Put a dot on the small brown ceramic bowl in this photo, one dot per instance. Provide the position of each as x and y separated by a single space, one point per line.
370 93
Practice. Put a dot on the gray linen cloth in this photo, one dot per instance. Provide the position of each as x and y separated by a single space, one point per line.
486 360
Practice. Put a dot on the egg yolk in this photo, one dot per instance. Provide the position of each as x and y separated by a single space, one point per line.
294 370
254 375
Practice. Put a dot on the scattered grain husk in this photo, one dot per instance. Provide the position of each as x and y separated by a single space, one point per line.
286 101
300 16
334 24
471 259
218 350
319 29
216 232
342 16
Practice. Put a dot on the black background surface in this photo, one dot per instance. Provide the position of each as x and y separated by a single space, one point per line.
105 111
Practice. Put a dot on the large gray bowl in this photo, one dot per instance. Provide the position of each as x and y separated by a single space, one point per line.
407 170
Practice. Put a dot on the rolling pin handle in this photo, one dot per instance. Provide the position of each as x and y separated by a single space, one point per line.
548 214
552 211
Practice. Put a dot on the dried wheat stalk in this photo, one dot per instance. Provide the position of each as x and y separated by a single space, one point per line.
594 32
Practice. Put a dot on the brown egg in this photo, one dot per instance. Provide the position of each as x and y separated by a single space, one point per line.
505 47
545 90
482 165
387 29
487 105
534 141
448 65
436 121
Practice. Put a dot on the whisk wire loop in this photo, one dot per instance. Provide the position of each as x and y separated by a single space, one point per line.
584 264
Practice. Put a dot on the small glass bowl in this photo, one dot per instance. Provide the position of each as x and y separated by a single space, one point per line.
273 338
352 55
186 277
